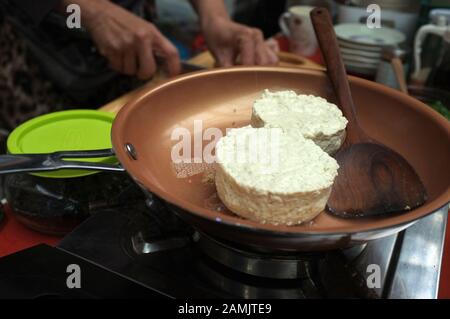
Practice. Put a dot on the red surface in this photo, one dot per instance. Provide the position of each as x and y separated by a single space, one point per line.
283 43
14 236
444 286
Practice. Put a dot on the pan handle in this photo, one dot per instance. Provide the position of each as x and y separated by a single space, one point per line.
26 163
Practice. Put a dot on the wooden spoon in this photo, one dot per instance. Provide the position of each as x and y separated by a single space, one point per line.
373 179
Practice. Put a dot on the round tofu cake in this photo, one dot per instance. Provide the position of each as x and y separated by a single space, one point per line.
314 117
273 176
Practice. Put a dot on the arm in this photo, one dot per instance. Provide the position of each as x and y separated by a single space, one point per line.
231 42
209 9
128 42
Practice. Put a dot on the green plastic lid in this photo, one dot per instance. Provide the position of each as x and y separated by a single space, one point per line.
74 130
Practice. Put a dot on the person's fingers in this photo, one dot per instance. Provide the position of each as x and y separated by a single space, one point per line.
261 52
128 49
129 62
262 55
225 58
168 51
247 48
273 57
272 44
115 60
272 50
111 48
147 66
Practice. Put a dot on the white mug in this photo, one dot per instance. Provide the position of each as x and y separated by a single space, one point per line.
296 25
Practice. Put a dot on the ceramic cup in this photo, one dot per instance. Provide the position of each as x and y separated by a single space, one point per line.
296 25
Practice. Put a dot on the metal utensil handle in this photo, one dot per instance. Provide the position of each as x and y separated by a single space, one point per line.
85 154
26 163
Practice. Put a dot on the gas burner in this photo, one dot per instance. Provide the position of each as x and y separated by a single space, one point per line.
241 285
153 229
148 244
141 246
267 265
246 273
157 239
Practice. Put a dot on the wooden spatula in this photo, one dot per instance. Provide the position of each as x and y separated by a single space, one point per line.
373 179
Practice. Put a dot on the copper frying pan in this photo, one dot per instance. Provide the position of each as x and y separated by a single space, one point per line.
222 98
141 137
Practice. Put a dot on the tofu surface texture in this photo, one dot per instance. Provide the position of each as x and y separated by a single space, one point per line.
314 117
271 175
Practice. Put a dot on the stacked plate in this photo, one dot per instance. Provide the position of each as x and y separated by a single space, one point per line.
361 46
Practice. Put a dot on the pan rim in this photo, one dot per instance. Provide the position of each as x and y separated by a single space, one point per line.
314 232
372 225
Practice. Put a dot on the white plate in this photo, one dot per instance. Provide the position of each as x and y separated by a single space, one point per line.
367 54
352 64
359 47
360 59
361 34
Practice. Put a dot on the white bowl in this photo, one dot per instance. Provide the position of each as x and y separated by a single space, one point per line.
360 34
359 47
361 53
360 59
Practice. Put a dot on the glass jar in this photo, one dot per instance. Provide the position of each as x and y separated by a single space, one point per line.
54 202
56 205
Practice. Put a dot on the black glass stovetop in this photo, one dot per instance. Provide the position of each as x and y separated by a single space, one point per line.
142 250
153 247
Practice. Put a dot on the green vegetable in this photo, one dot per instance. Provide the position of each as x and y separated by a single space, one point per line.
441 108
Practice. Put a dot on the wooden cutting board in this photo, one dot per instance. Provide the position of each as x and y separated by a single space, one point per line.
205 60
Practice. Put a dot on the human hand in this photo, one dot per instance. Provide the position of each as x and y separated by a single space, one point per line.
128 42
233 43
